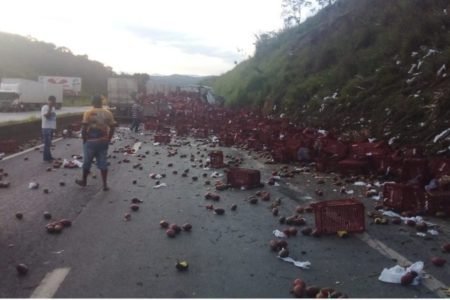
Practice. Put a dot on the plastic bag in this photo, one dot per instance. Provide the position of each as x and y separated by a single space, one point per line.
279 234
394 274
160 185
300 264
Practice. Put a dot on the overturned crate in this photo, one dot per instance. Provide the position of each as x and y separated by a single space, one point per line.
437 202
226 140
8 146
401 197
216 159
244 178
353 167
339 215
162 138
280 155
182 130
415 169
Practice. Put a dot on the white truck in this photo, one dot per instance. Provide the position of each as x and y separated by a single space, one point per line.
7 99
71 85
31 94
121 95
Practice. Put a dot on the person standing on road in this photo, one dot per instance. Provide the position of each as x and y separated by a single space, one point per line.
48 115
97 130
136 113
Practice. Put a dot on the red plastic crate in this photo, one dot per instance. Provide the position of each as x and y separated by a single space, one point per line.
280 155
342 214
163 139
401 197
411 151
439 167
150 126
334 147
437 201
163 129
414 168
8 146
353 166
226 140
201 133
381 163
255 144
327 164
247 178
216 159
182 130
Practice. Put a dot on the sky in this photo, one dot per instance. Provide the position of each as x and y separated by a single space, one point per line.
192 37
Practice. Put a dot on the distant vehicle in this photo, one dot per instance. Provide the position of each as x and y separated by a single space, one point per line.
32 94
71 85
7 99
121 95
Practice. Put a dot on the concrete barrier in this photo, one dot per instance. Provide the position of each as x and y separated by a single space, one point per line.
28 130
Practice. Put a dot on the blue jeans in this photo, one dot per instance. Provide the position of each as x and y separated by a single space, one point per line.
135 124
97 149
47 135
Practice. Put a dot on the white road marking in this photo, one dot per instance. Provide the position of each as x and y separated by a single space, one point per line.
429 281
28 150
50 284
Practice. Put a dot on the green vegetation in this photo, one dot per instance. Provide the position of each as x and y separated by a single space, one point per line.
350 67
25 57
77 101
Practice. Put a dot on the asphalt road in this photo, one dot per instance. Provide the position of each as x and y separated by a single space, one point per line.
21 116
102 255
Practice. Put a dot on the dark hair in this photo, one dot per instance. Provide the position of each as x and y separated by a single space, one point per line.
97 101
52 98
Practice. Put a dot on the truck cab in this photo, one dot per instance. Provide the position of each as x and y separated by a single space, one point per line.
8 99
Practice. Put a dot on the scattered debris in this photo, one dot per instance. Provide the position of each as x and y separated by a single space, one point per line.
33 185
182 265
22 269
395 274
300 264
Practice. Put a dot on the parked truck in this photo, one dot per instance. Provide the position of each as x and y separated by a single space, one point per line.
123 91
7 99
121 95
31 94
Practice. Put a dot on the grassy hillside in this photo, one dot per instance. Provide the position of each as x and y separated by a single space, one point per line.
358 65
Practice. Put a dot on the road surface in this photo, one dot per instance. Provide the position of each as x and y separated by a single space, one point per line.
102 255
21 116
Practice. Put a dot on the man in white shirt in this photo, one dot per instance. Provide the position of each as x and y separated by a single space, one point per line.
48 114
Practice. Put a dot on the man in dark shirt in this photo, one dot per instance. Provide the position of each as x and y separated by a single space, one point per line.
136 112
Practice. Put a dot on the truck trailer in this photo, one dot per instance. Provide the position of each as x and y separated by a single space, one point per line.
31 94
121 95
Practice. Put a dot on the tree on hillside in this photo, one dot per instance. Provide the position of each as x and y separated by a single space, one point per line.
29 58
141 79
292 11
324 3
